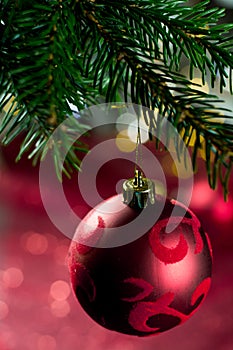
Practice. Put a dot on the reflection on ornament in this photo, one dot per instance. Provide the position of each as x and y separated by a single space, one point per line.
149 285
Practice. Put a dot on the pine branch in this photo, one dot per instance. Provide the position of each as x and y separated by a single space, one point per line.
61 52
41 72
153 84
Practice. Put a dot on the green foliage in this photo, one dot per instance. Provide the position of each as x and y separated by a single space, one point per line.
54 53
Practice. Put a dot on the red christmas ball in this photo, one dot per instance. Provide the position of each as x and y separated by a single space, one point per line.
148 285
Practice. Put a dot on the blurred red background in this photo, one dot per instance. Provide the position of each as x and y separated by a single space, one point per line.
38 310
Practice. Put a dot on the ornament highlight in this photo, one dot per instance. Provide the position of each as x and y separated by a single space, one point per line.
149 285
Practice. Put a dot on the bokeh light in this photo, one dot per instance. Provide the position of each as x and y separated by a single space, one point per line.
133 130
203 196
60 308
124 143
125 119
36 243
12 277
60 290
222 210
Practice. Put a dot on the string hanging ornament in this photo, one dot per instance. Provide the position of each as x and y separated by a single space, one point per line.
154 282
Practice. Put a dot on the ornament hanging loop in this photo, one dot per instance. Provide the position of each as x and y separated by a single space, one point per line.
138 146
139 191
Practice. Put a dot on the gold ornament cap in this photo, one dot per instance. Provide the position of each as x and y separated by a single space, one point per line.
139 191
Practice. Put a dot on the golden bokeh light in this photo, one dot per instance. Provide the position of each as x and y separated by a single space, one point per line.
124 143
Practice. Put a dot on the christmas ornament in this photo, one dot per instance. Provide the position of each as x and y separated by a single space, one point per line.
151 284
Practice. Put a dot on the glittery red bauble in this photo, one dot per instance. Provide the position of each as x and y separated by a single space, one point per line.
149 285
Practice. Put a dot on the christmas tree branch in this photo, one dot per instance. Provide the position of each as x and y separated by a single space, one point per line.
155 86
60 52
40 72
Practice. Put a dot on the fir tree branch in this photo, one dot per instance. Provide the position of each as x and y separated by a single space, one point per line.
154 85
40 72
59 52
